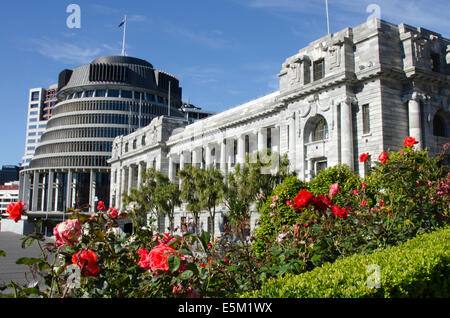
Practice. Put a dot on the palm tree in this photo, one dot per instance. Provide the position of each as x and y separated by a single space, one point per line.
209 186
189 192
167 197
143 197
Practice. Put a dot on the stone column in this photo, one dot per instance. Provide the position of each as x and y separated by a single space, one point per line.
171 170
50 191
195 157
415 123
35 190
123 185
69 190
292 143
139 176
182 163
92 185
230 153
240 158
130 179
262 139
208 156
347 133
56 192
223 156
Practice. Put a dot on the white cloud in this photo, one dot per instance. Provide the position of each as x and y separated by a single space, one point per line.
70 53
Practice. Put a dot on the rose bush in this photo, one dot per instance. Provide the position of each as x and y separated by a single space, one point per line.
302 225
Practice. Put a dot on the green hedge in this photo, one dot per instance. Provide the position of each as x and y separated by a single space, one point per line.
419 267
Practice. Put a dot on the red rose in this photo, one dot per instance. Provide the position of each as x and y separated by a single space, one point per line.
101 206
112 212
363 185
363 157
363 203
15 210
383 157
86 261
410 141
321 202
302 199
355 191
339 212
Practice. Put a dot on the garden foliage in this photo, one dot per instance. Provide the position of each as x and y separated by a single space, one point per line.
418 268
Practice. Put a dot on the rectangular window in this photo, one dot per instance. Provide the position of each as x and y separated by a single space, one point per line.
35 96
32 127
32 133
31 141
33 119
34 105
33 113
113 93
31 148
127 94
42 125
319 69
149 97
366 119
89 94
269 138
100 93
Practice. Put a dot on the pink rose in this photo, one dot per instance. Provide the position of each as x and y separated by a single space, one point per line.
334 189
67 233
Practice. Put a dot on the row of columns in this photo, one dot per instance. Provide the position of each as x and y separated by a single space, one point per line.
130 178
50 185
228 151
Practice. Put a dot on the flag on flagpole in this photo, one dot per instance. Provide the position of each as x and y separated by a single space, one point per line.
123 22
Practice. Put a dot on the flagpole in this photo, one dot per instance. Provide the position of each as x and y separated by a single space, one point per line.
328 18
124 32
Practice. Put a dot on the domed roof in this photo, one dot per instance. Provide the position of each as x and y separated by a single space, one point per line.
121 60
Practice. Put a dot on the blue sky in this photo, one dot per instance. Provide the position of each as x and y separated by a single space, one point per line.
225 52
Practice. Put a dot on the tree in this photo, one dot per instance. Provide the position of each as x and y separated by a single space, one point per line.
142 199
167 197
209 186
261 173
188 192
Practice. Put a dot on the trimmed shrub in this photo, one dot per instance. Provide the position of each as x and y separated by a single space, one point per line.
270 222
340 174
417 268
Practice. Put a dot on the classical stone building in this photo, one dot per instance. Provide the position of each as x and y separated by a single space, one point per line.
362 89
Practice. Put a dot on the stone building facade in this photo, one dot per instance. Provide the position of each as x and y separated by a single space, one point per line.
362 89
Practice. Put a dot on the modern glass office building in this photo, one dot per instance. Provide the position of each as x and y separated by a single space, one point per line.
111 96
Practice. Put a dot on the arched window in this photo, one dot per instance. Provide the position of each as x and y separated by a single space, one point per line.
439 126
320 131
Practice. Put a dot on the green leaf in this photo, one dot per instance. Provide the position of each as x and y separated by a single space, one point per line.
2 253
28 260
204 239
174 262
187 274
